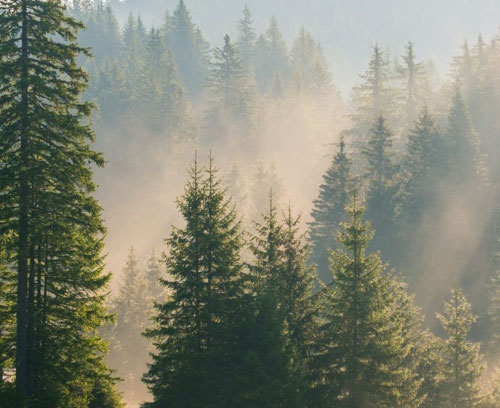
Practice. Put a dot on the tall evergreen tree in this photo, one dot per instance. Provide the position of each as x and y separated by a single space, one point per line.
422 168
310 65
246 39
189 48
373 98
235 104
204 285
464 162
461 358
381 186
271 57
128 348
363 349
329 209
413 76
51 224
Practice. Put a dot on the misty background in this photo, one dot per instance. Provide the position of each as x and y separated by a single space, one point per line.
288 127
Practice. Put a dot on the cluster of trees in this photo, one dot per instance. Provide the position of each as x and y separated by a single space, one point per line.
154 76
247 322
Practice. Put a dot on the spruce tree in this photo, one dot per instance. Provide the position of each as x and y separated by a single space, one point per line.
246 39
204 284
189 48
271 57
362 352
373 98
51 224
413 77
422 168
310 65
381 185
128 348
329 209
461 357
298 302
232 113
462 146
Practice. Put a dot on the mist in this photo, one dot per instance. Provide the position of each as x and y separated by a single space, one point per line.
281 128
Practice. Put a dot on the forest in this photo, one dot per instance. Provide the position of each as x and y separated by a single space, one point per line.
198 222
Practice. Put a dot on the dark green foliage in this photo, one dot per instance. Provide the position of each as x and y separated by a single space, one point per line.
423 167
204 287
51 224
381 184
363 348
329 210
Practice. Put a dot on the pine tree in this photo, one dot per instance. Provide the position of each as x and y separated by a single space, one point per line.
268 252
246 39
297 300
128 348
361 361
413 76
153 275
51 224
329 209
194 325
462 361
271 57
381 186
422 168
234 96
373 98
462 146
310 65
189 48
162 97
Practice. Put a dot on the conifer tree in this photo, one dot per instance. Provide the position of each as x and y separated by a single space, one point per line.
153 275
162 97
413 76
234 105
462 146
128 348
461 358
329 209
189 48
271 56
51 224
381 186
373 98
362 358
297 294
310 65
422 168
205 285
246 39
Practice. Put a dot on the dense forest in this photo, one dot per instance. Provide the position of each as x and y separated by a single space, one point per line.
274 242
